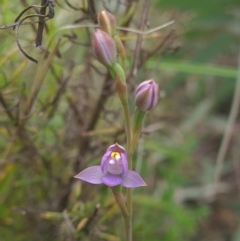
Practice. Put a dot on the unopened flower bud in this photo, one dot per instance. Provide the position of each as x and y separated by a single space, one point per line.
107 22
147 95
104 48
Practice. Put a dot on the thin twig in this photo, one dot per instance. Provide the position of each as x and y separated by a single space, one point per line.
91 219
92 10
131 30
61 89
25 10
20 23
16 22
39 79
40 29
236 166
160 46
74 26
139 37
17 38
4 104
229 129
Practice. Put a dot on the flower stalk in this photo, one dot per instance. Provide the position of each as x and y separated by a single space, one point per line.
125 212
116 166
121 89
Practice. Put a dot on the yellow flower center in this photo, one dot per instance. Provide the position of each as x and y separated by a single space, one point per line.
115 155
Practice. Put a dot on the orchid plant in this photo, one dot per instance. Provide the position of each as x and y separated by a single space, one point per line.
116 164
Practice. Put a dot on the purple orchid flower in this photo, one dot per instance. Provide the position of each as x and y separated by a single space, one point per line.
113 170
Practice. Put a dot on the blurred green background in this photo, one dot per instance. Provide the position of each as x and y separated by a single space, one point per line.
58 116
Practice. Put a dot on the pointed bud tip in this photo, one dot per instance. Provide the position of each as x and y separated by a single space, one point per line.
107 22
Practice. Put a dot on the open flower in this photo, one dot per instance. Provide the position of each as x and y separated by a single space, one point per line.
113 170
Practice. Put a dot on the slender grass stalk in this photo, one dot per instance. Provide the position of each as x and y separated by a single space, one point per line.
228 131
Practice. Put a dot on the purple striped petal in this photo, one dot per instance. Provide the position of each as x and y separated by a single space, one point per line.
143 99
91 174
104 47
142 86
112 180
105 159
147 95
124 163
133 179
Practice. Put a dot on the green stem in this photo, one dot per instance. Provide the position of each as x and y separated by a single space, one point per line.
135 138
121 89
129 209
120 201
129 132
128 226
138 119
128 221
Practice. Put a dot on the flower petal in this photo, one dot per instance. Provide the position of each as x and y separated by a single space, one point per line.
115 167
124 163
116 147
142 86
104 48
104 162
112 180
91 174
133 179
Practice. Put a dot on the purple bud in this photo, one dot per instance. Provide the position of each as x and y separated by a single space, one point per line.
147 95
107 22
104 48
